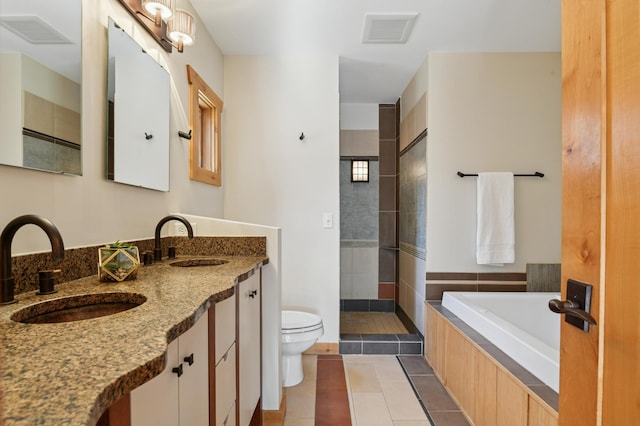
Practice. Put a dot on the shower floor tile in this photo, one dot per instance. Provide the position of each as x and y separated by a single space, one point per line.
371 323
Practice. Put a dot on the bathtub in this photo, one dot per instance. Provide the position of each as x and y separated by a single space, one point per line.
520 324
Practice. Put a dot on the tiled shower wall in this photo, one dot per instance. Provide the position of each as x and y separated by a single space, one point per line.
413 222
389 123
358 233
369 218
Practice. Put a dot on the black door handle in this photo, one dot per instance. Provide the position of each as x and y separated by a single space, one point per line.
568 307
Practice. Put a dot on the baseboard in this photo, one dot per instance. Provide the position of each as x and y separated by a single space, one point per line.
274 417
323 348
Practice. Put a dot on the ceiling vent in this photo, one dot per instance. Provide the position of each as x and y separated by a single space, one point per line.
33 29
388 27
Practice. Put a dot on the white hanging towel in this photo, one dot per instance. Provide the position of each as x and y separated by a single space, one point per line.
496 228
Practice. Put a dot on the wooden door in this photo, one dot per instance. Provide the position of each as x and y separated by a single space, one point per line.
621 320
601 208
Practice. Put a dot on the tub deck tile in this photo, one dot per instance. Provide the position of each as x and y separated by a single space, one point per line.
547 394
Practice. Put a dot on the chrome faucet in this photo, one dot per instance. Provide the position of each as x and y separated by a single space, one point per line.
7 284
157 250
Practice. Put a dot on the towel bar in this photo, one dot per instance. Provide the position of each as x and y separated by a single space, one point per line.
536 174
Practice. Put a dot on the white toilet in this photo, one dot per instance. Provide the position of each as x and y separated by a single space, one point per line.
300 330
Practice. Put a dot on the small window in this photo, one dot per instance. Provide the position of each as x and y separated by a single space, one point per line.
359 170
205 113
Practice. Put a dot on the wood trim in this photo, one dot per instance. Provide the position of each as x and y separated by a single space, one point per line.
212 365
619 318
256 418
237 406
198 89
118 414
276 416
323 348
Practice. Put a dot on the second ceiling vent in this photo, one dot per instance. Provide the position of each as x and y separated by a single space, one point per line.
387 27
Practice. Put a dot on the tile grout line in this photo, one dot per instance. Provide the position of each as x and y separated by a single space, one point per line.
415 391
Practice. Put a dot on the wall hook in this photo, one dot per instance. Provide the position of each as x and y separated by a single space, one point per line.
184 135
301 136
147 136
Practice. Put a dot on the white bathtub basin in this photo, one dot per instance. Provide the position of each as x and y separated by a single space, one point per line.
518 323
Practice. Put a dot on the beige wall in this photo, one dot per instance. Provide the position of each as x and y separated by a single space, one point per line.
47 84
359 134
10 108
281 181
88 209
493 112
413 107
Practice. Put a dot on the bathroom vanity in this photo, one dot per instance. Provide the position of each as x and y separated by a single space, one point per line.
180 344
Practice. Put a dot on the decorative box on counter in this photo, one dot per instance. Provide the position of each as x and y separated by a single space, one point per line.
118 262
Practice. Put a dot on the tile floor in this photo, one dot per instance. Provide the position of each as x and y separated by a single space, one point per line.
381 391
371 323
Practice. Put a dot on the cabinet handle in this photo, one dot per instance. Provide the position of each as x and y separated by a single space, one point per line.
226 419
226 355
189 359
253 293
177 370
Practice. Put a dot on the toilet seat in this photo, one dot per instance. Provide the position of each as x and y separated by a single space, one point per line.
294 322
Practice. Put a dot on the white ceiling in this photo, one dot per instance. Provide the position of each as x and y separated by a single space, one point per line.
378 73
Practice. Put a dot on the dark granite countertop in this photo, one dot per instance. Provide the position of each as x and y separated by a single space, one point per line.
69 373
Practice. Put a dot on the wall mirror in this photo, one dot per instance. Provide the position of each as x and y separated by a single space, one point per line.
40 82
138 92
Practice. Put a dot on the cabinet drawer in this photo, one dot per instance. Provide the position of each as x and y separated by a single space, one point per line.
225 312
230 418
226 385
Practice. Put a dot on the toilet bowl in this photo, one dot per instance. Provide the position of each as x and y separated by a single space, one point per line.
300 330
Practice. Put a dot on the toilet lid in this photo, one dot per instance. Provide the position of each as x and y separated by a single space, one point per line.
296 321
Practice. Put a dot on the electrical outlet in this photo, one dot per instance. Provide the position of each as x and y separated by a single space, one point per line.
180 230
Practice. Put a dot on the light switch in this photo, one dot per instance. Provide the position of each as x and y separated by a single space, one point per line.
327 220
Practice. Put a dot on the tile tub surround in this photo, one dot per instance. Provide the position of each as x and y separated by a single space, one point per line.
69 373
439 282
82 262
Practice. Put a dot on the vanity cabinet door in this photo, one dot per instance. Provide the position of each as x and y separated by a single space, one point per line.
225 362
171 399
194 382
249 347
225 323
226 387
156 402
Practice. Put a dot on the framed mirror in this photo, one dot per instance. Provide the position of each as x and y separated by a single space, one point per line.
138 97
41 85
